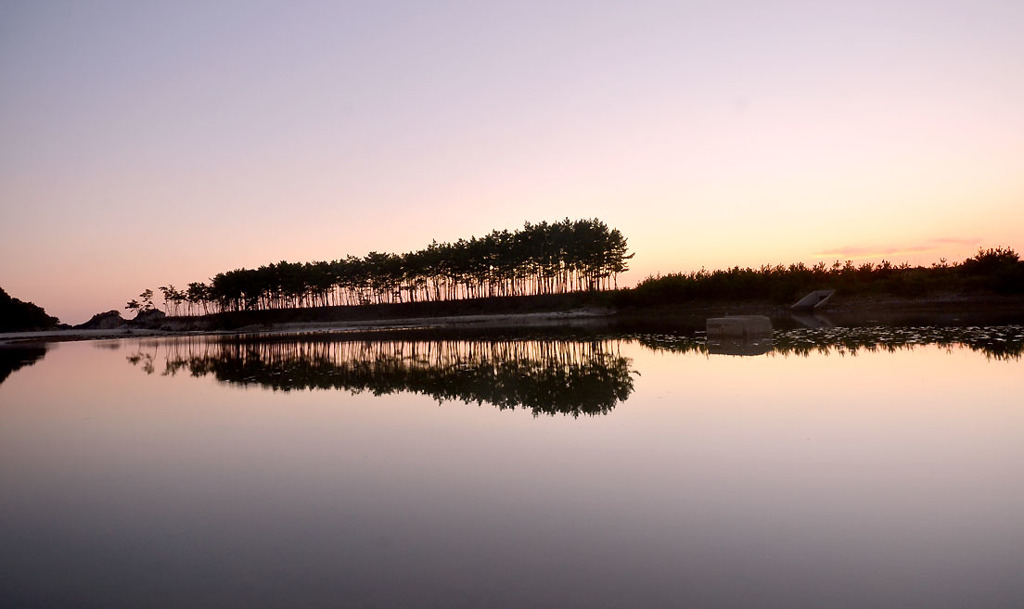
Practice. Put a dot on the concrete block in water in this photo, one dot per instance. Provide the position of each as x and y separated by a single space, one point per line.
814 300
739 326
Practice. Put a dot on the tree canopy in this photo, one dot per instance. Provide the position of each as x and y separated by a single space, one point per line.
543 258
17 315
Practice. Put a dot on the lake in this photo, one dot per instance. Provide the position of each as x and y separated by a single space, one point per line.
856 467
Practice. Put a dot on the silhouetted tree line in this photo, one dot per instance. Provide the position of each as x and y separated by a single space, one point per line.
546 377
557 258
17 315
998 270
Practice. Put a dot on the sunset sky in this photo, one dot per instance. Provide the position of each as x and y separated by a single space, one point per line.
147 143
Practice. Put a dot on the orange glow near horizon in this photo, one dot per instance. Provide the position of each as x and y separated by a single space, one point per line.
154 147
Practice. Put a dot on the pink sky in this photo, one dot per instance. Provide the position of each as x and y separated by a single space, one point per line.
153 143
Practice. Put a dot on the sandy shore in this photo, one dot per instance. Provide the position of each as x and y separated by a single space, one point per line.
519 320
7 338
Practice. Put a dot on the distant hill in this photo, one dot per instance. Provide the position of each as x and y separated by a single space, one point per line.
16 315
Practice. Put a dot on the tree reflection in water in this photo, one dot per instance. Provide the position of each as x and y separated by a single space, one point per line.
996 342
15 357
546 376
579 374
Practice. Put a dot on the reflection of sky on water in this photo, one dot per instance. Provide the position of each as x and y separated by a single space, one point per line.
885 479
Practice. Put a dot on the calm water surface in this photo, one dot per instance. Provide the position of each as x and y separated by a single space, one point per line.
840 468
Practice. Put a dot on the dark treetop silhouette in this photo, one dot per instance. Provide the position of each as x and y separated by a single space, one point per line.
558 258
997 270
17 315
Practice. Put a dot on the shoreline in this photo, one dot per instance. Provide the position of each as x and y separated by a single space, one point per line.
947 310
578 317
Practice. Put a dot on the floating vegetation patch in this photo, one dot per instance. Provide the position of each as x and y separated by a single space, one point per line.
996 342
